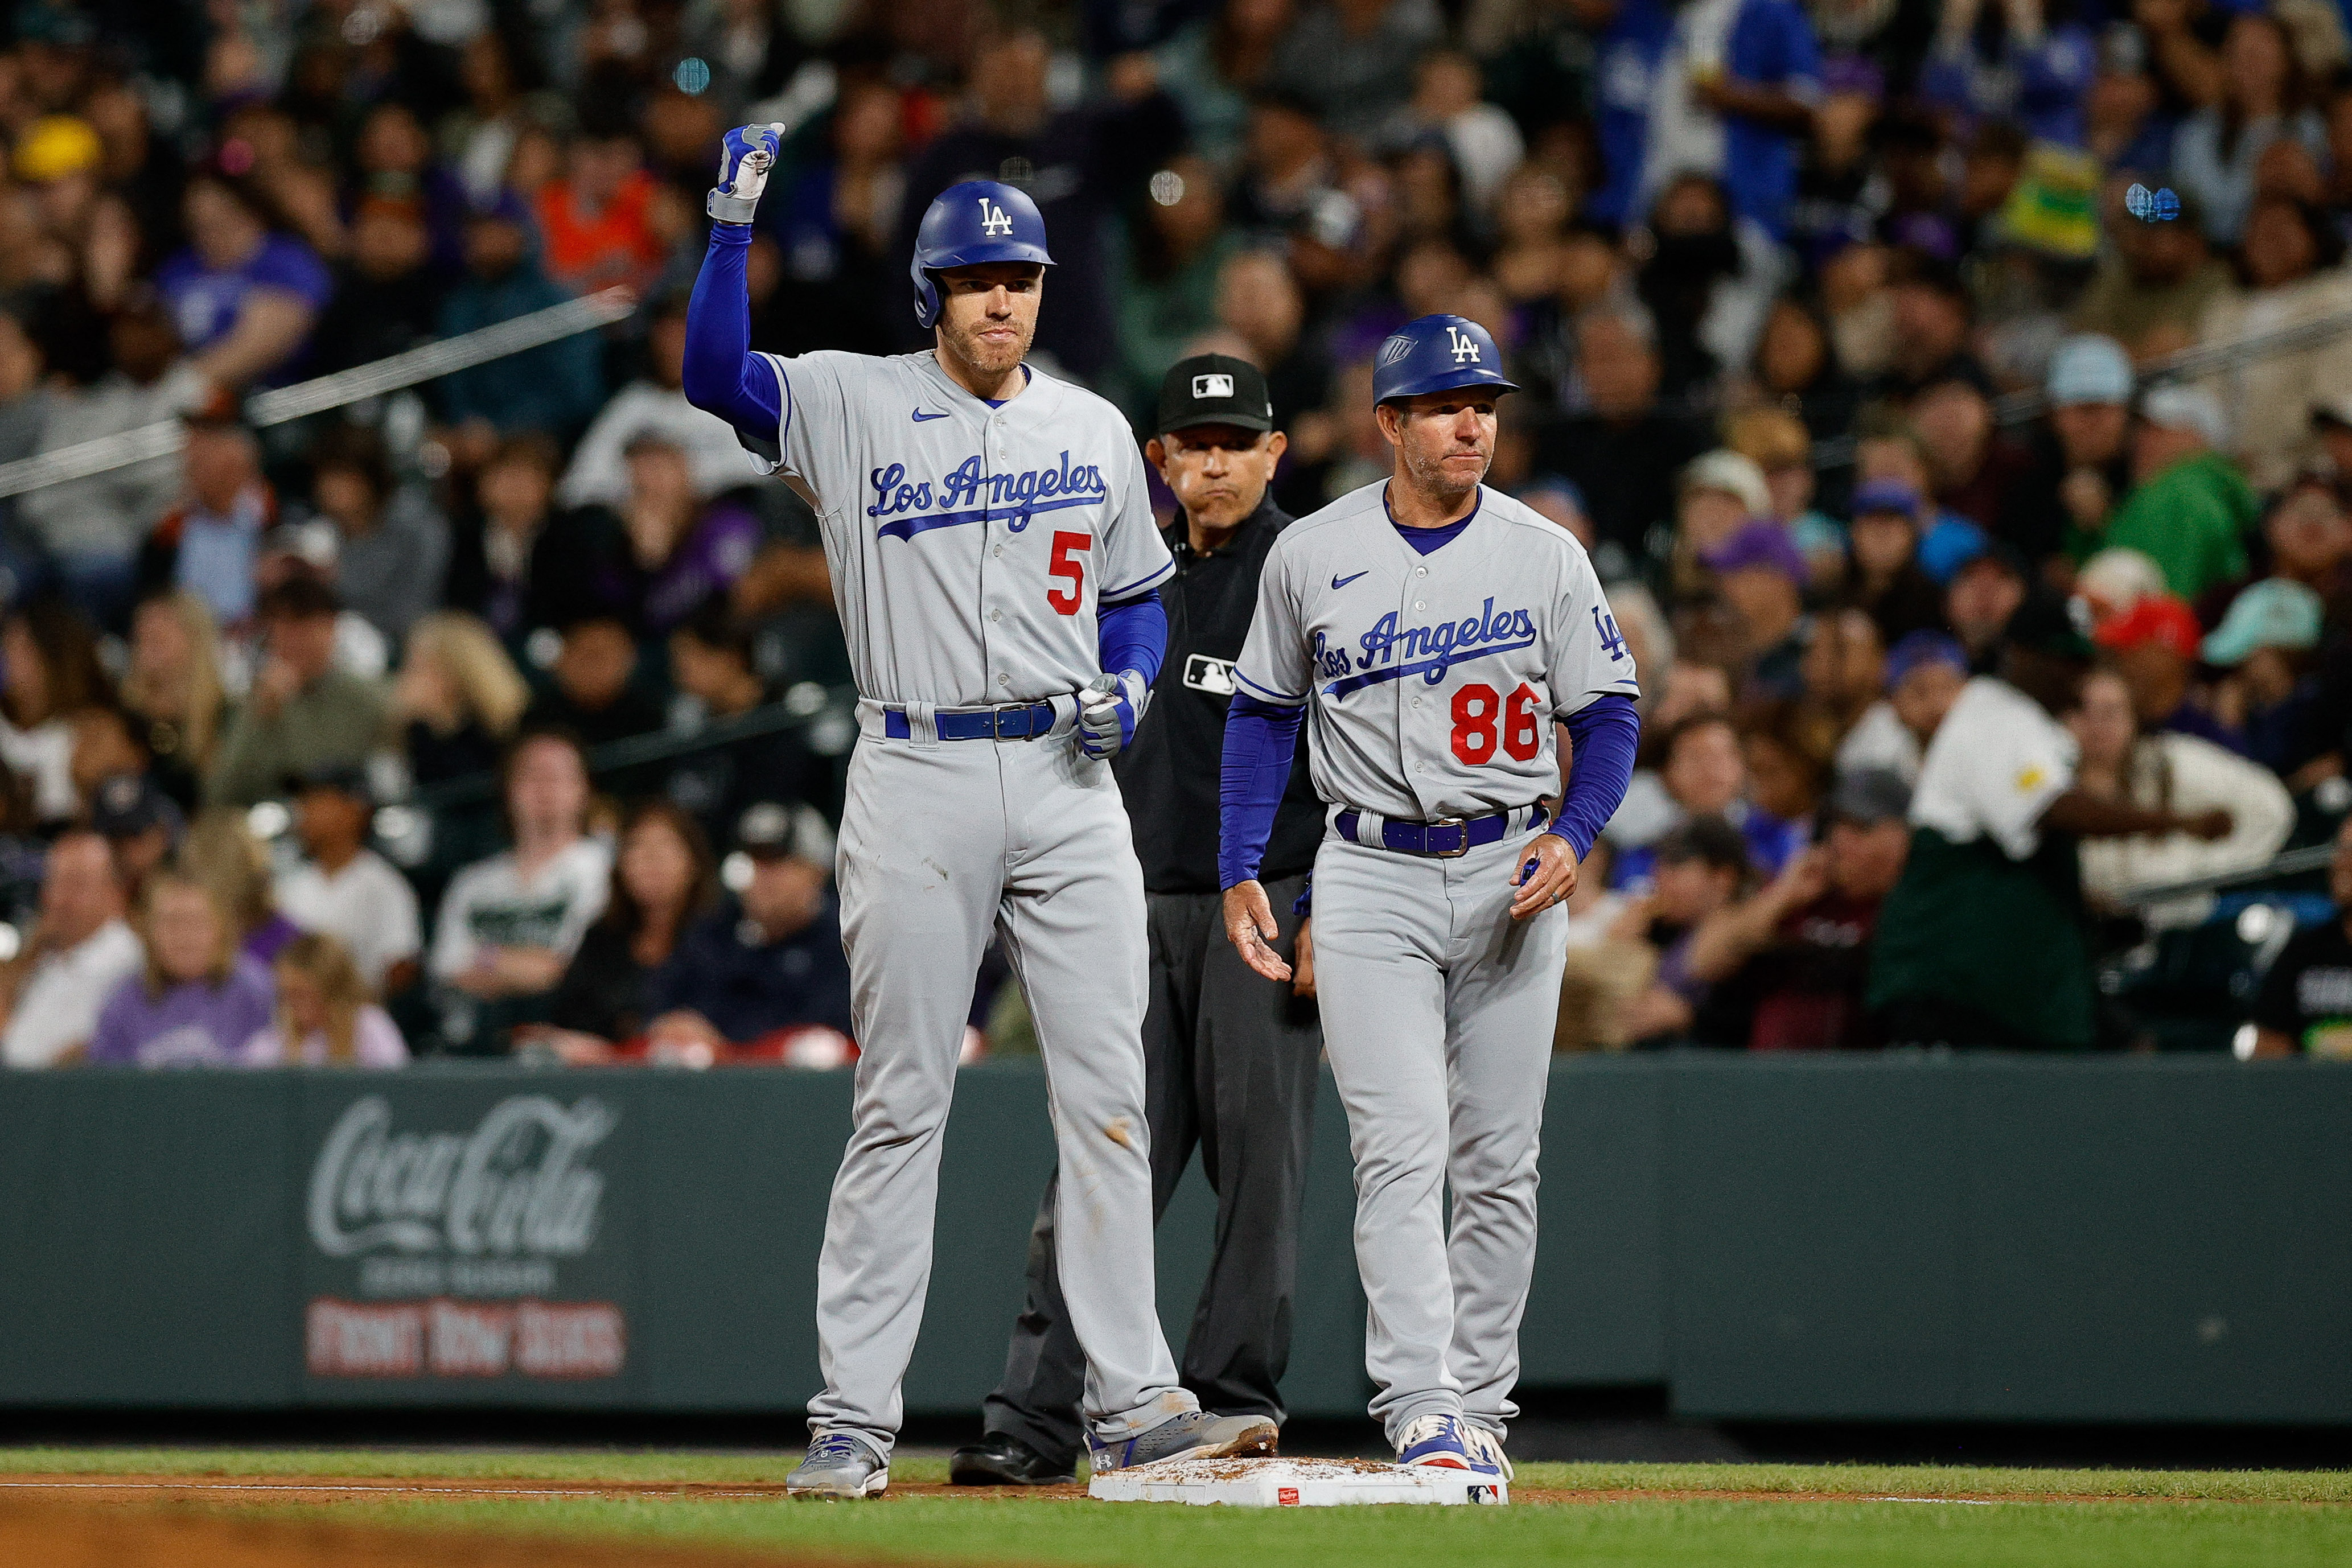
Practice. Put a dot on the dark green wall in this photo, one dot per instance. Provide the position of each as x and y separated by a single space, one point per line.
1849 1238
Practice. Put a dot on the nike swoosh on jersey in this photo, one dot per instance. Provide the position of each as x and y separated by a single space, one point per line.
922 418
1339 582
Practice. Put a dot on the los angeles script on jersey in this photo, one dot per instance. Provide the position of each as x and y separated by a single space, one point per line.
966 495
1388 653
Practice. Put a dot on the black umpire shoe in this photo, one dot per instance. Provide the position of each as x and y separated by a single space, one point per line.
1000 1459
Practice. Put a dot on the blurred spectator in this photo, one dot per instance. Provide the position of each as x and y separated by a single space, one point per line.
1702 771
2305 1002
1982 941
1986 589
221 851
2154 645
1775 440
653 407
344 889
2152 292
2124 759
1354 59
1707 292
1086 162
2080 459
595 697
458 698
1716 497
838 279
1481 139
599 220
92 528
662 881
2310 540
1934 317
1882 575
2263 98
1970 467
211 543
1844 675
1796 366
1723 90
526 565
1762 580
141 827
553 389
1787 967
391 546
244 296
1625 453
1168 277
302 713
199 1001
71 961
711 658
174 689
2189 509
392 160
1702 866
768 960
49 672
2292 265
324 1017
509 926
2269 696
682 551
388 291
1925 672
1213 67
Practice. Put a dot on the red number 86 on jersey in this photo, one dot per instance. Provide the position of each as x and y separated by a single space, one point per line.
1479 714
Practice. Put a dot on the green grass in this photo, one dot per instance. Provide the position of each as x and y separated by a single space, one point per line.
2151 1518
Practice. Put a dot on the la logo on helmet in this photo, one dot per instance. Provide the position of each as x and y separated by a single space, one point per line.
1464 349
993 219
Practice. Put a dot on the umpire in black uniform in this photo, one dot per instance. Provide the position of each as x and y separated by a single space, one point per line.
1229 1057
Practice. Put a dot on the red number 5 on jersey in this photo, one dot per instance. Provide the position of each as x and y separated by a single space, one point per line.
1477 708
1071 567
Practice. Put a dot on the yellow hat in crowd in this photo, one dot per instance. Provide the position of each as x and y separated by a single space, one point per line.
56 145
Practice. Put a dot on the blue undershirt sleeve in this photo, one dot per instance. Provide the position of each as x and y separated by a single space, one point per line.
722 375
1133 635
1605 734
1261 737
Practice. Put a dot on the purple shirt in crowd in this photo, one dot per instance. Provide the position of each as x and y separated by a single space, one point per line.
194 1024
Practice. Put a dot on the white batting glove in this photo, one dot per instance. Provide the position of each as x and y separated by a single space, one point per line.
745 156
1108 710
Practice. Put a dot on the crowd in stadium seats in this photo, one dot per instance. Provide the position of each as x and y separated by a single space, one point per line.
1878 350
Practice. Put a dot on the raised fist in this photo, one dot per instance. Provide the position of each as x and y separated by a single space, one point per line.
745 156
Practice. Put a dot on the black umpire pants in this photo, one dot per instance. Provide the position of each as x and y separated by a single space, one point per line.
1229 1065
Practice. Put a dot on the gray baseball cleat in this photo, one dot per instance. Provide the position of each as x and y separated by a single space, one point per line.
839 1465
1192 1435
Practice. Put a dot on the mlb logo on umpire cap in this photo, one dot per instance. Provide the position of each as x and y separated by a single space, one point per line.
1212 386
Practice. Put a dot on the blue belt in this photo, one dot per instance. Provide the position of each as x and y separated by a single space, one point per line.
1445 839
1026 722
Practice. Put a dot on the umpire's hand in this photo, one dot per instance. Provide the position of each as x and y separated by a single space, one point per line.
1250 928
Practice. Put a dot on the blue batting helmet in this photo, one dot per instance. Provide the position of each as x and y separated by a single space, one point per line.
1438 353
968 225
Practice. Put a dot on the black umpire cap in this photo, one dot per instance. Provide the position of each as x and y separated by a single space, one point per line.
1214 389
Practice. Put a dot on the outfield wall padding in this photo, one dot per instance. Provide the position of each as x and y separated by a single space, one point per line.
1838 1238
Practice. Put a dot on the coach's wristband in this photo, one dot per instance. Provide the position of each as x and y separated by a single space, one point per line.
727 209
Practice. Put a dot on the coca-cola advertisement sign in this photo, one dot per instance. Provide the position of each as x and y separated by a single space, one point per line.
469 1247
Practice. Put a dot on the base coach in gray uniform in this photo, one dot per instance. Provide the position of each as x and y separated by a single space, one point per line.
1229 1057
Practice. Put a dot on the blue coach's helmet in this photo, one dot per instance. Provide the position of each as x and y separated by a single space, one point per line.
967 225
1438 353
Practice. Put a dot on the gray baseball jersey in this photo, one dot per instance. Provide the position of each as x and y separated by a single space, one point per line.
969 545
1431 680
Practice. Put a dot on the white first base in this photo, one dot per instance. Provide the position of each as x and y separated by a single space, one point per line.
1295 1483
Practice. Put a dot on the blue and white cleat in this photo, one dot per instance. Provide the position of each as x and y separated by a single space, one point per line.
1190 1435
1434 1442
839 1465
1485 1449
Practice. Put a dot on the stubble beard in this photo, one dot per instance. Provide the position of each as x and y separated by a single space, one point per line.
1429 475
987 359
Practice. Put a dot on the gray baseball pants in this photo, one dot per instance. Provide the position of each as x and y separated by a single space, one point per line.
939 844
1230 1062
1437 1017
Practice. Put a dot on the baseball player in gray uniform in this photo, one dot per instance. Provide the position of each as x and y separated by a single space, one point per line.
1435 631
995 562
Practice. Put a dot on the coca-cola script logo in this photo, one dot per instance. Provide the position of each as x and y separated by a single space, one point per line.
516 1184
